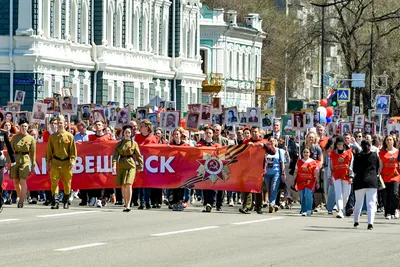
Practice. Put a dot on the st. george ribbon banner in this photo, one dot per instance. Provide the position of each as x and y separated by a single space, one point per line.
233 168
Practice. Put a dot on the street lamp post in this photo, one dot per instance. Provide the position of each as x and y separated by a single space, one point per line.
323 6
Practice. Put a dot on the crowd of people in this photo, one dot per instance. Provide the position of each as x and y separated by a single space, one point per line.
321 172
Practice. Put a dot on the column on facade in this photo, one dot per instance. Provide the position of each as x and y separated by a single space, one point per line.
136 99
240 64
59 84
146 93
74 21
219 62
165 94
120 93
110 24
244 66
76 90
157 88
111 90
198 35
128 24
46 18
57 19
181 29
192 35
24 18
194 95
86 88
48 92
145 27
186 98
104 30
40 17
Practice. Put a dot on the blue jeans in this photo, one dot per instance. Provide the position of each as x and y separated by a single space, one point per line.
306 199
272 182
186 195
329 192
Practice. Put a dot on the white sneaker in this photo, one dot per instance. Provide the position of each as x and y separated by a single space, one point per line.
388 217
92 202
304 214
231 204
396 214
239 202
340 215
98 204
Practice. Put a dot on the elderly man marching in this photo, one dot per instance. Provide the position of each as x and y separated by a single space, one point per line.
60 160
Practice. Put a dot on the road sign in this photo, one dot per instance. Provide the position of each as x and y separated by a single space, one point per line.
358 80
343 94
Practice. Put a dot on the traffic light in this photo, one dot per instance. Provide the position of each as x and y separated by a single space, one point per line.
334 101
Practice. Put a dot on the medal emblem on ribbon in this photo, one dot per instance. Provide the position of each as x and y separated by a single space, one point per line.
341 160
213 168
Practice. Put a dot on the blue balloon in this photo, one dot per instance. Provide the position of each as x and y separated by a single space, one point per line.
322 120
328 120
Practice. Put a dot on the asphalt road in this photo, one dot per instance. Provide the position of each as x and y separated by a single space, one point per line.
86 236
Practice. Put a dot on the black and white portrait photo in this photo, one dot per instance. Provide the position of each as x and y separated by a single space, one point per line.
152 117
39 112
359 120
123 116
298 120
66 104
192 121
141 113
369 128
270 103
19 96
267 117
345 127
382 104
112 114
170 105
170 120
253 116
231 116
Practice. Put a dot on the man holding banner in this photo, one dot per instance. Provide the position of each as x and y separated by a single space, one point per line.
60 161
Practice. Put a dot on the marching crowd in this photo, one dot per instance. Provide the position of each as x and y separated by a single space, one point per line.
353 173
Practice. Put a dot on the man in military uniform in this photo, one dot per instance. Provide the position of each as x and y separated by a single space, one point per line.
60 160
4 140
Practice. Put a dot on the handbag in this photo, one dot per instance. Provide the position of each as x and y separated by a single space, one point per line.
381 183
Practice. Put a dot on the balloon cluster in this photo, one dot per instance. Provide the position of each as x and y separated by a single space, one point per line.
325 113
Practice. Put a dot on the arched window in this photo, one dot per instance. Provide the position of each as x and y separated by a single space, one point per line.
135 29
145 26
110 25
118 27
85 23
74 21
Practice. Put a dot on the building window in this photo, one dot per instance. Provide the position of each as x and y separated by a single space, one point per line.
204 58
244 74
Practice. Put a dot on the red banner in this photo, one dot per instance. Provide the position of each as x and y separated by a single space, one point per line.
233 168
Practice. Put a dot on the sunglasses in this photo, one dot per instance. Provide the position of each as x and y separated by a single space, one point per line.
359 136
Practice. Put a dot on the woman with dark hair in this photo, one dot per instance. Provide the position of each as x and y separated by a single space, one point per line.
328 187
160 134
24 146
208 195
340 173
365 184
389 169
145 137
306 180
177 193
126 153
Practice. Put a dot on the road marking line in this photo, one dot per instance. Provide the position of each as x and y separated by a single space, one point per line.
186 231
257 221
9 220
66 214
81 246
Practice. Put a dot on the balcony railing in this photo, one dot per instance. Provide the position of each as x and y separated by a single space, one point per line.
213 83
266 86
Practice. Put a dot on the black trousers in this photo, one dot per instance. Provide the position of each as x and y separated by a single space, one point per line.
34 194
212 196
118 194
156 196
177 195
390 197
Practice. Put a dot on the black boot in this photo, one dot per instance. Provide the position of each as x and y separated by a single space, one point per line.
54 202
66 201
1 201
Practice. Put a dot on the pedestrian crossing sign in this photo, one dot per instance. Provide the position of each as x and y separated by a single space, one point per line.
343 94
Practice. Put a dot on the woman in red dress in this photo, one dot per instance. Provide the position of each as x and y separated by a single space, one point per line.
305 180
389 170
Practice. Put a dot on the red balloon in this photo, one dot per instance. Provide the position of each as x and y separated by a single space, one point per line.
323 102
329 112
183 123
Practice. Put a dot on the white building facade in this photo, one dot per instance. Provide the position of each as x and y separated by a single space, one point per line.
233 52
126 51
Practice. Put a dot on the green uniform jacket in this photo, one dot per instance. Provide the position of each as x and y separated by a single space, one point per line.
126 148
24 148
61 150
